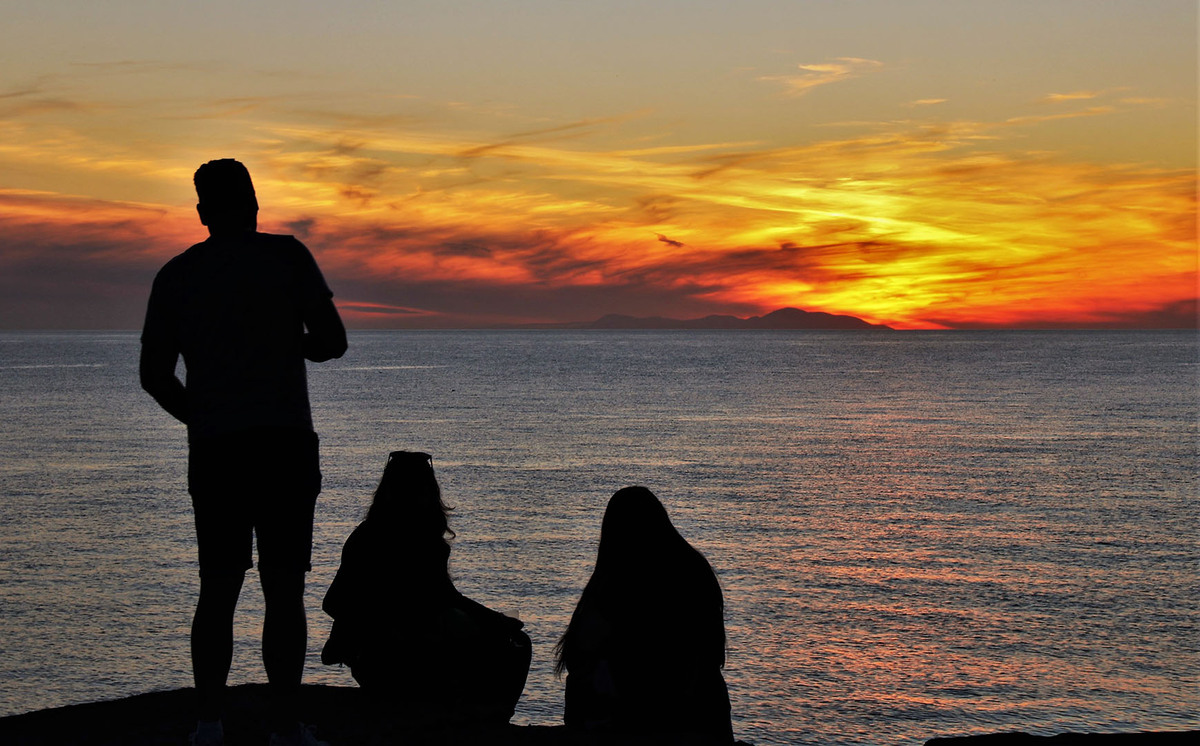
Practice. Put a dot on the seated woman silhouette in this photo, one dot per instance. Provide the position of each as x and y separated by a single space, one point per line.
645 647
407 634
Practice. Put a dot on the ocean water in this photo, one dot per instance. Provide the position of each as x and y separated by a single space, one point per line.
918 534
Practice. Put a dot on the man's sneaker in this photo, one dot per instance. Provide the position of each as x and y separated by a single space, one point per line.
302 736
207 733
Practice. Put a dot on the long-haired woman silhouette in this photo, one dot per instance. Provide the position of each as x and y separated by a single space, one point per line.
644 649
405 631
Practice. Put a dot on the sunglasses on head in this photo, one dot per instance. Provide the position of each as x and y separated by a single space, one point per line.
409 456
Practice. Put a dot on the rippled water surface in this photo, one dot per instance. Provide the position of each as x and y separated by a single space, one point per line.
918 534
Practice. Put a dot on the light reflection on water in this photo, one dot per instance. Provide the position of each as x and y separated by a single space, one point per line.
917 534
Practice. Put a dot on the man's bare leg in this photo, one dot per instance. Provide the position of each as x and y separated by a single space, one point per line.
284 644
212 640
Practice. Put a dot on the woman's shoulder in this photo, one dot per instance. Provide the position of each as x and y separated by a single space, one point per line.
366 542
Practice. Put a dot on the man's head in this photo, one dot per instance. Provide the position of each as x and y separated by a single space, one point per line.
227 201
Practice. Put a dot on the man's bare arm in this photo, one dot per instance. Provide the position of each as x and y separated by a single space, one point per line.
157 371
326 336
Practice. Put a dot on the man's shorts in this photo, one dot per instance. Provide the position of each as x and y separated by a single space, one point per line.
262 483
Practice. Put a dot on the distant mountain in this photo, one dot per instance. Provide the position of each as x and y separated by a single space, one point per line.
784 318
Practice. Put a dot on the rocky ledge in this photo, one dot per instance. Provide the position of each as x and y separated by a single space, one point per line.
342 716
1072 739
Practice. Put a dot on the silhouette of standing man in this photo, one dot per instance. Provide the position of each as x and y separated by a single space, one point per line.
244 309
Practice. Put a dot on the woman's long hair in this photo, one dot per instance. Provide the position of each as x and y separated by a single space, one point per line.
644 569
408 499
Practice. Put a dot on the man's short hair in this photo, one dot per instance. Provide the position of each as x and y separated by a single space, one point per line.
224 183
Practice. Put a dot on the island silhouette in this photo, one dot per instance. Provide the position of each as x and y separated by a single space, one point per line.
784 318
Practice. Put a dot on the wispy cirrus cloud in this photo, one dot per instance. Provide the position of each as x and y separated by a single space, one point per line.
1091 111
815 75
1147 101
1058 98
557 133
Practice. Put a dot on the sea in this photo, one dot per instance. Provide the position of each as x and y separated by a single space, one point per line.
918 534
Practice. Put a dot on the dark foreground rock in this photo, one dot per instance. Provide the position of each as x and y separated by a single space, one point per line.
344 717
1071 739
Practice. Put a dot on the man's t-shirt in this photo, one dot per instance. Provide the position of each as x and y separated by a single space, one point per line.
235 308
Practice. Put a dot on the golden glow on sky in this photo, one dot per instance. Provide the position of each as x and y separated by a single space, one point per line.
918 182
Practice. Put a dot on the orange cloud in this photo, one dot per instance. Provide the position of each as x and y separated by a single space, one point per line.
71 262
909 224
899 227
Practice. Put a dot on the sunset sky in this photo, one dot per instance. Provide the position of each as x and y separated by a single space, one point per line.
917 163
